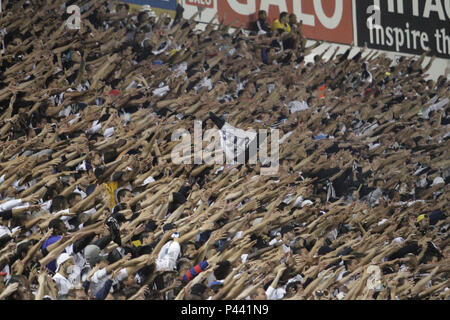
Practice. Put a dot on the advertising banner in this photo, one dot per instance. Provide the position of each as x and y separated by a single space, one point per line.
405 26
159 6
328 20
200 3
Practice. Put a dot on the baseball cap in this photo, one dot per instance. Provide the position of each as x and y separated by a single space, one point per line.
63 257
92 254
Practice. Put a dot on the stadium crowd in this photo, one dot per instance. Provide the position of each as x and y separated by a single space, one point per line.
92 207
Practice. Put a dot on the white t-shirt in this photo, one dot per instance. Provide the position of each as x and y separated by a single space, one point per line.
100 277
167 257
10 204
64 285
98 280
275 294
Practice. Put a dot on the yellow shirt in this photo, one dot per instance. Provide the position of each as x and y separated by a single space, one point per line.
278 25
111 187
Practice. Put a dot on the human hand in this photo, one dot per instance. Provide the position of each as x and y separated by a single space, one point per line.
281 268
17 267
10 289
77 236
34 198
126 257
42 277
93 271
221 203
34 207
206 195
142 292
139 229
15 233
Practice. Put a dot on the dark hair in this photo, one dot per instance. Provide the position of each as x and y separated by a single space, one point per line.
56 224
168 226
283 14
22 248
119 217
198 289
222 270
285 229
141 15
146 271
292 285
182 261
123 5
99 171
58 203
94 136
119 207
121 193
114 256
150 226
72 196
117 175
18 219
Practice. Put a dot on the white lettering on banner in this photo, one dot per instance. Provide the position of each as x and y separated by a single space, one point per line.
399 6
332 22
416 8
308 19
444 39
281 4
390 39
329 22
400 35
202 2
374 21
399 38
430 5
242 8
424 37
437 7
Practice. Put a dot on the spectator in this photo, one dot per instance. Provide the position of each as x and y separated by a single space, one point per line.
260 25
282 23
